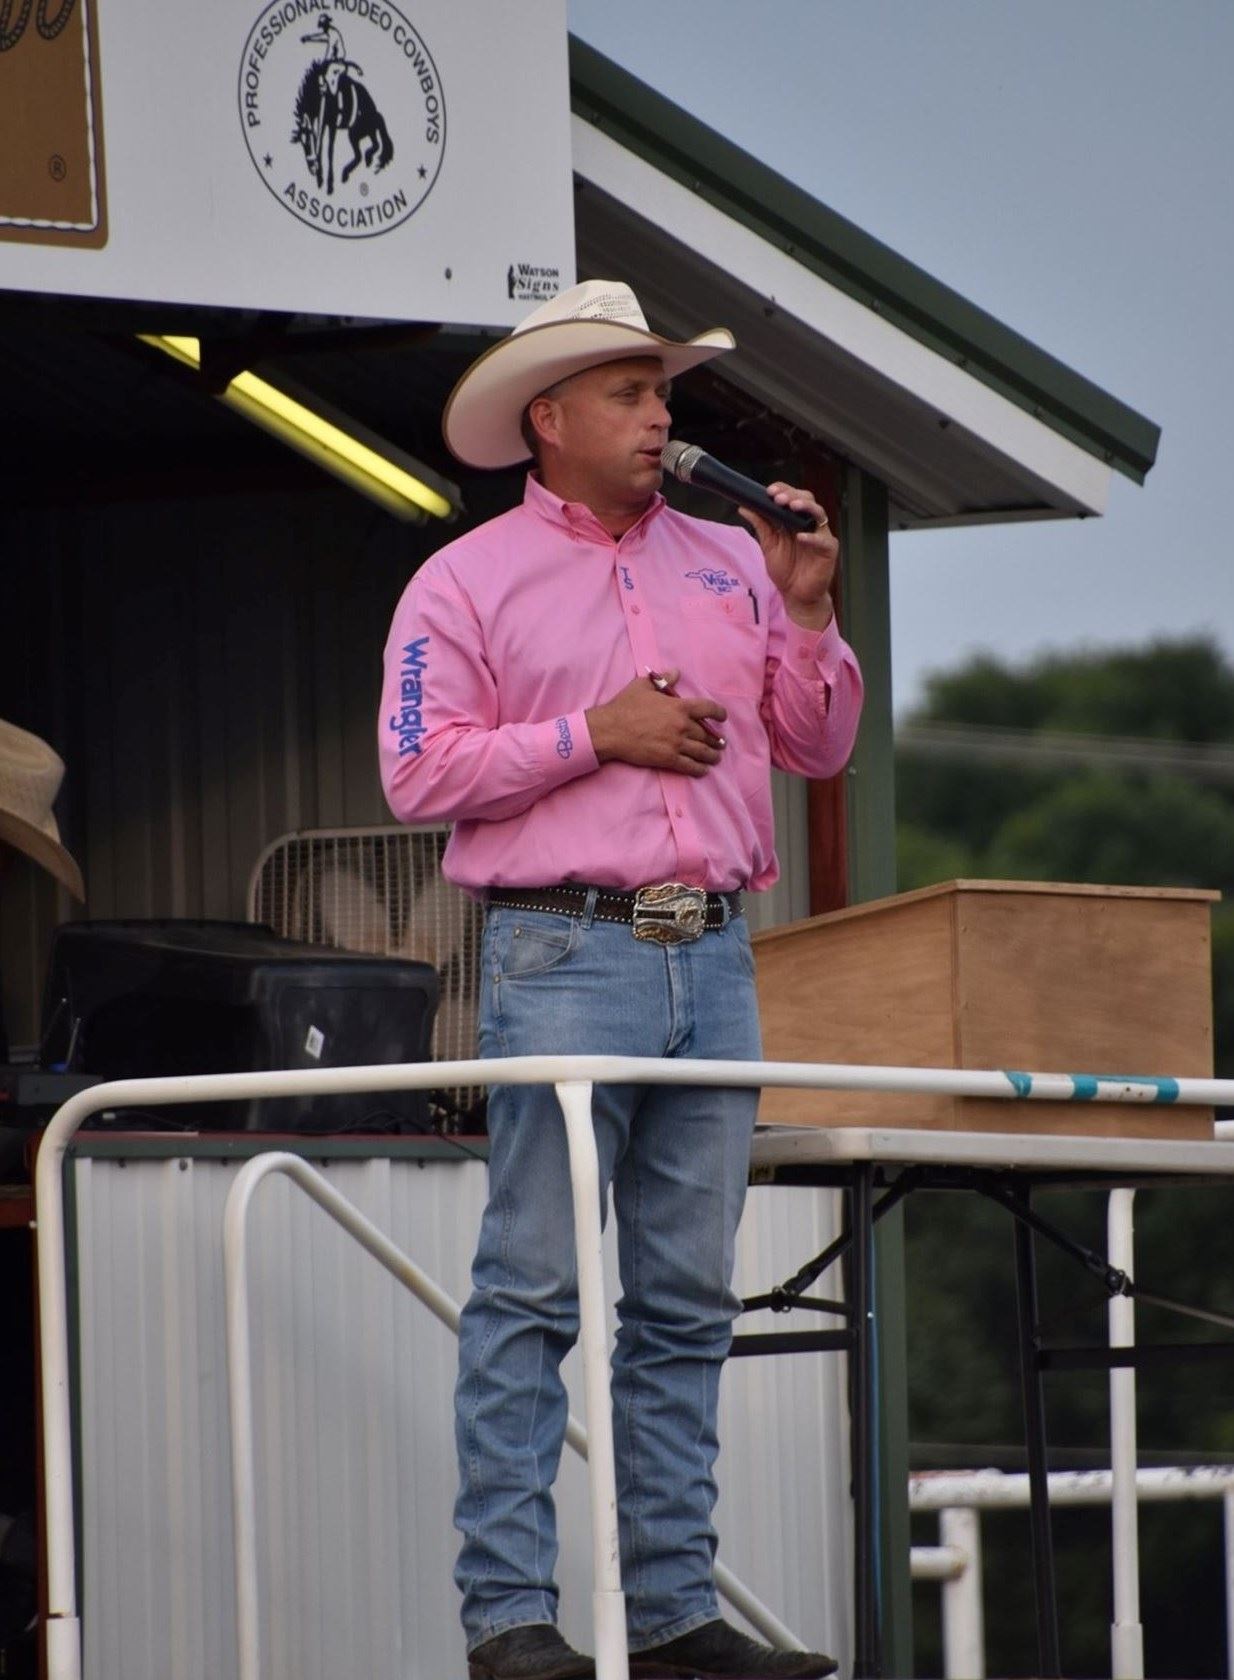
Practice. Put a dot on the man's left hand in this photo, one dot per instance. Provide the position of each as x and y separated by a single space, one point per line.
803 566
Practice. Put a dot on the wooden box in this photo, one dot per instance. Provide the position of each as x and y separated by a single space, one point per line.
1035 977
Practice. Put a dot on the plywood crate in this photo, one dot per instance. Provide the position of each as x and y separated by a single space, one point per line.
1026 976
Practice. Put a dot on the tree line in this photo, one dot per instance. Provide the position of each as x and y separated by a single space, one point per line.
1139 817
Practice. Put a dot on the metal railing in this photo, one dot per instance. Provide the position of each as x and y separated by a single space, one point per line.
572 1077
959 1496
240 1385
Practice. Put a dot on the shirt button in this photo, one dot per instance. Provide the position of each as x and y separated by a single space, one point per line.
636 609
677 811
728 606
803 653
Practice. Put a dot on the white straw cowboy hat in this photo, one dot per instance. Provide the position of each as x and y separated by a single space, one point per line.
30 777
595 322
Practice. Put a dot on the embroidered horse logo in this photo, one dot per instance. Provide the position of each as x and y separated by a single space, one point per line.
718 582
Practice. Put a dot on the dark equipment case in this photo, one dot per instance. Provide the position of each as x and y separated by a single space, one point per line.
144 999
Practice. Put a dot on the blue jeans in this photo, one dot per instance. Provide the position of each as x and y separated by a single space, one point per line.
677 1159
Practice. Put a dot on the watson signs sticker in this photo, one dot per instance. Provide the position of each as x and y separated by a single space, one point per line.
380 158
350 139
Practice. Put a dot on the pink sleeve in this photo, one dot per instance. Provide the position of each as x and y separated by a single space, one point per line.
812 702
443 754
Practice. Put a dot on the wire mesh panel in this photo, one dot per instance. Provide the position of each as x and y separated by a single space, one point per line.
381 890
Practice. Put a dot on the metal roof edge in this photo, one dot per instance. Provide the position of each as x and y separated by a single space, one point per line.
838 251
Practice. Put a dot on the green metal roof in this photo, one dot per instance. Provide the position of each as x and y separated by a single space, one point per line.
665 136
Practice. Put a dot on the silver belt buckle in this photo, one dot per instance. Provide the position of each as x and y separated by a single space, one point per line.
670 913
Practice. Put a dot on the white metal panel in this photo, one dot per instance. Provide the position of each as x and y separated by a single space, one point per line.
203 217
789 899
355 1436
783 1514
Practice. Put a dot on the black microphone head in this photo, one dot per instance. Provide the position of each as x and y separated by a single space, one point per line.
680 459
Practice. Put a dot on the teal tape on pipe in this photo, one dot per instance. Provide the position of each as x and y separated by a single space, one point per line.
1087 1086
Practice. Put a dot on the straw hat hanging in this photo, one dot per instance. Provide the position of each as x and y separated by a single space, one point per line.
30 777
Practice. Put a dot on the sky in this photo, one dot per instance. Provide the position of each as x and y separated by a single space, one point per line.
1068 165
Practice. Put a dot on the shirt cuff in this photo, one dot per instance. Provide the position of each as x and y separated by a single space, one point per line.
813 653
563 748
814 657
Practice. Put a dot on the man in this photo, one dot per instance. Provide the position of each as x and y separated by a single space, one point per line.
593 687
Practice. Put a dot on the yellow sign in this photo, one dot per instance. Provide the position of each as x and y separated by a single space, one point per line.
51 129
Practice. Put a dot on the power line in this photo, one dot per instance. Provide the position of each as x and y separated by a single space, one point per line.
975 743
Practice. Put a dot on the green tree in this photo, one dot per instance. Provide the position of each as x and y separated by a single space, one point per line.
1120 826
1177 690
1125 831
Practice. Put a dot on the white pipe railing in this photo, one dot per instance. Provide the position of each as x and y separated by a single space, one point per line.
959 1496
239 1353
240 1384
1008 1490
607 1599
963 1612
1126 1631
956 1563
608 1602
63 1620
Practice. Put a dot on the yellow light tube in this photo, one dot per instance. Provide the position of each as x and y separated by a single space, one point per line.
322 440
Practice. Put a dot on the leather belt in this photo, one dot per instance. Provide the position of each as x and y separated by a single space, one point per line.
665 914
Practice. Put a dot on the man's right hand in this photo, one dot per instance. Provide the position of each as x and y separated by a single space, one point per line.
659 731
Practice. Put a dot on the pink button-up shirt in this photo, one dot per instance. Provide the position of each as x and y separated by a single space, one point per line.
504 638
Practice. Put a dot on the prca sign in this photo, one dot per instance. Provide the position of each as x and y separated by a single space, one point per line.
343 113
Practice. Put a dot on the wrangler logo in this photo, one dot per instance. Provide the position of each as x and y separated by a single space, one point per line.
408 722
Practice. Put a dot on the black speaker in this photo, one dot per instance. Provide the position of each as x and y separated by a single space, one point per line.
141 999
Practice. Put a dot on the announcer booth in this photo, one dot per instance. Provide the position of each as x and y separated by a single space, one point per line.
246 251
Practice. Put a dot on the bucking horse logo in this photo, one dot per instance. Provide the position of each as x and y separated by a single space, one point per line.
716 581
302 95
331 100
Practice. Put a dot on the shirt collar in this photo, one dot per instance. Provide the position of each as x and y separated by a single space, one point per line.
577 517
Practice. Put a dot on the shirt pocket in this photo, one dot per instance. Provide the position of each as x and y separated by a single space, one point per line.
723 649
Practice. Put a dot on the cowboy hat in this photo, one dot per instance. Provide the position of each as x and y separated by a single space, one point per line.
30 777
595 322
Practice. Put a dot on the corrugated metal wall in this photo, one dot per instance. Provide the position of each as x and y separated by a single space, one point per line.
354 1433
210 670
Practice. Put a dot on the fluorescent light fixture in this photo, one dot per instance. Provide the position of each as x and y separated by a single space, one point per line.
399 483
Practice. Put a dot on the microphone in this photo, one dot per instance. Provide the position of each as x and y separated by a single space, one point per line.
692 465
